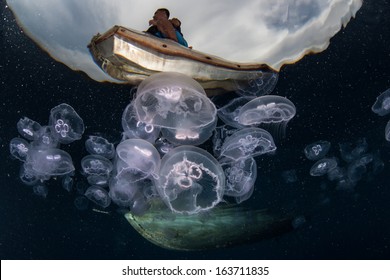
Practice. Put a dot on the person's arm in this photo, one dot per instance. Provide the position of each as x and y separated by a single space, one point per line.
166 28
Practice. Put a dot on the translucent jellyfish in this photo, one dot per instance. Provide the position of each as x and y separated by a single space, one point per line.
176 102
18 148
96 165
189 136
67 183
350 152
323 166
50 162
240 178
81 203
44 138
190 180
98 196
133 128
257 84
387 131
382 104
66 124
138 157
98 180
28 128
267 109
27 175
290 176
219 136
40 190
317 150
124 192
230 112
97 145
163 146
248 142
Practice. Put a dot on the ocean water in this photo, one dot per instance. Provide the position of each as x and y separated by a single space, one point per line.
333 92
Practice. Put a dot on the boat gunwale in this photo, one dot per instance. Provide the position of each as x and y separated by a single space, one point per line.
170 48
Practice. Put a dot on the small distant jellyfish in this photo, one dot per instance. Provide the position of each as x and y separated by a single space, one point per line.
382 104
290 176
323 166
67 183
269 109
27 175
350 152
66 124
248 142
96 165
41 190
317 150
81 203
28 128
44 138
387 131
19 148
97 145
190 180
98 195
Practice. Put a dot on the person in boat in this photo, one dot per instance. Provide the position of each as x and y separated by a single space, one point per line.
162 27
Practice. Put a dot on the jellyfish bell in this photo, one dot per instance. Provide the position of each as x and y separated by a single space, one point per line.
176 102
317 150
387 131
190 180
133 128
270 109
28 128
97 145
137 157
381 106
66 125
247 142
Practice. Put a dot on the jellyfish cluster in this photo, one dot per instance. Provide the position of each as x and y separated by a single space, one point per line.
381 107
354 163
38 148
164 153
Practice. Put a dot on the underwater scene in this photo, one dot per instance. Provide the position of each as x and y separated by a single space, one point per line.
292 163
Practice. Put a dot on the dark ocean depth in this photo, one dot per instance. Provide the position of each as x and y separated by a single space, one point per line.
333 92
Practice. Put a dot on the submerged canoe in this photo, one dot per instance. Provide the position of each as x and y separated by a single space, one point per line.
131 56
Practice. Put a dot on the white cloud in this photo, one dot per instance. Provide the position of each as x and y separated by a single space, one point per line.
265 31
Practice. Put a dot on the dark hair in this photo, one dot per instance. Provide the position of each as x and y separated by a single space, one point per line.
166 11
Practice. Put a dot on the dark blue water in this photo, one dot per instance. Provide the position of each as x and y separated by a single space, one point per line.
333 92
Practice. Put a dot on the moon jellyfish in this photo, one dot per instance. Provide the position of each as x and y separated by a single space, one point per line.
98 196
350 152
19 148
44 138
96 165
290 176
50 162
66 124
248 142
257 84
67 183
178 103
138 157
190 180
97 145
219 136
40 190
81 203
387 131
240 178
323 166
133 128
381 106
268 109
230 112
27 175
317 150
28 128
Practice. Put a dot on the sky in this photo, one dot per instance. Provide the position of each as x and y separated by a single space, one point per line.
274 32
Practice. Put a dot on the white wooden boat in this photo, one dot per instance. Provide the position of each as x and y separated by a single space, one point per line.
131 56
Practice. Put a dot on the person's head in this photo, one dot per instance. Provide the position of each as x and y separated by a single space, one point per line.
176 22
161 13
